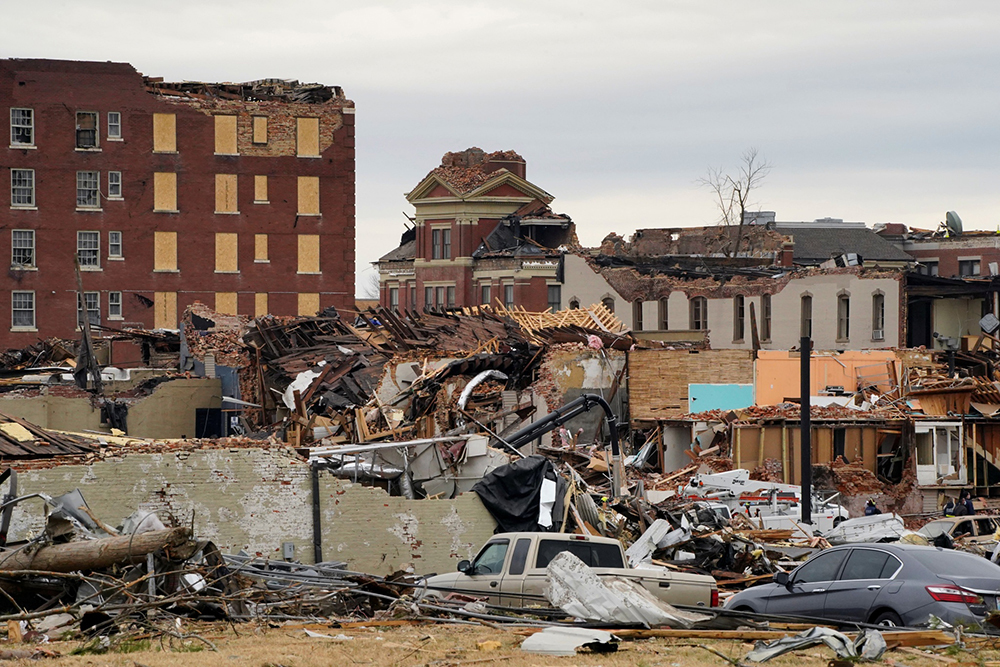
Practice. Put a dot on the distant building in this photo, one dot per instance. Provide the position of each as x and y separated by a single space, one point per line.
969 254
240 196
482 234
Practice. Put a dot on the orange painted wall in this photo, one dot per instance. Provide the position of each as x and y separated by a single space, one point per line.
777 372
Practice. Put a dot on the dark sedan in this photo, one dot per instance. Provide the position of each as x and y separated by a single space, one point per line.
887 584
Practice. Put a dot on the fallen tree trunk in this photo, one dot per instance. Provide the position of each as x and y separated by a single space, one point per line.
101 553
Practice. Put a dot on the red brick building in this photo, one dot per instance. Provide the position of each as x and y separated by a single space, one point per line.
969 254
240 196
482 234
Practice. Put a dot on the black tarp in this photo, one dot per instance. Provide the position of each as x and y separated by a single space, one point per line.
512 494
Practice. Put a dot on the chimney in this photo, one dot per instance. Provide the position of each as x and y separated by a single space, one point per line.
787 252
508 160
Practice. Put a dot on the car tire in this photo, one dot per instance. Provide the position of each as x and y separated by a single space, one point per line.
888 618
839 520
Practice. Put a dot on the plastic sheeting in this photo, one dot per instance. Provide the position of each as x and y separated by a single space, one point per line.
512 493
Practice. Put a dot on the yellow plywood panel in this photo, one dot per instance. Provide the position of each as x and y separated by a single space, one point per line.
165 251
307 137
308 304
225 135
260 304
165 191
225 303
308 253
260 129
225 193
308 195
226 253
164 133
260 188
260 247
165 310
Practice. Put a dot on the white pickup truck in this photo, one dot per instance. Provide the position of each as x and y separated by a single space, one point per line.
510 570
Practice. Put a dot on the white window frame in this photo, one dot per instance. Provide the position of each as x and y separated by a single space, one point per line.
96 250
14 188
113 241
114 126
115 304
96 189
89 298
30 126
30 234
97 132
13 310
115 185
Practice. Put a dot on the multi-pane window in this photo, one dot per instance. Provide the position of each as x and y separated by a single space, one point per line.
928 268
968 267
765 317
637 315
88 247
114 185
451 296
664 322
508 296
22 187
92 302
114 125
413 297
878 316
428 297
440 244
439 297
22 310
555 297
699 313
394 299
114 305
114 244
88 189
485 294
22 247
446 244
86 129
806 316
22 127
739 317
843 317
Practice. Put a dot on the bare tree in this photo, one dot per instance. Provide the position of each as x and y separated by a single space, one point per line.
369 284
733 191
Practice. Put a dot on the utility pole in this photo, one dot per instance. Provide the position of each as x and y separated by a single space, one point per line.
87 354
805 454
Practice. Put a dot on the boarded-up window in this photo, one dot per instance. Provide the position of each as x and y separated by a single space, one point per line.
308 253
307 137
225 135
225 303
226 253
308 304
165 251
164 133
225 193
260 129
165 191
308 195
165 310
260 247
260 304
260 189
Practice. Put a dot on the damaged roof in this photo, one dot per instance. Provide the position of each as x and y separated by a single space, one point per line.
816 242
467 170
715 240
261 90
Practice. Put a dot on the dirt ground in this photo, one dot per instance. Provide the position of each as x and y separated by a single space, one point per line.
441 646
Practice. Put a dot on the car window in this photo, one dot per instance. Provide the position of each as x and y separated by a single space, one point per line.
594 555
891 567
864 564
985 526
490 559
938 560
520 556
606 555
935 528
821 568
962 528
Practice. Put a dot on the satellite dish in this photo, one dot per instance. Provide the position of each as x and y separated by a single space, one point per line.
953 223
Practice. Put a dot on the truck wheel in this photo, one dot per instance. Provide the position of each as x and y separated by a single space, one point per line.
888 618
839 520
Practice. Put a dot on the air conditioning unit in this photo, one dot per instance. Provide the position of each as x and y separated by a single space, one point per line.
877 334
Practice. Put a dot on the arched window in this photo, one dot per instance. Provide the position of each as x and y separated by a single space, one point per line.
765 317
699 313
574 304
878 315
637 315
664 323
843 316
609 303
806 316
739 317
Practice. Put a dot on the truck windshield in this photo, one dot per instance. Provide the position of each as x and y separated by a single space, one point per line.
592 554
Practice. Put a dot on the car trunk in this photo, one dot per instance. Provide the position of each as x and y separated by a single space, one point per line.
988 588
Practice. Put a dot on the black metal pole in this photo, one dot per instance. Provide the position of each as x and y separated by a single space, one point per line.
805 454
317 517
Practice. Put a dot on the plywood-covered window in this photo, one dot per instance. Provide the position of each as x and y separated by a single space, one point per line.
226 253
164 251
260 129
260 248
165 192
308 304
165 310
226 303
308 195
225 193
260 189
307 137
260 308
225 135
308 253
164 133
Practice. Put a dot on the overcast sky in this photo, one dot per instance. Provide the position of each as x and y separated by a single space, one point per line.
871 111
